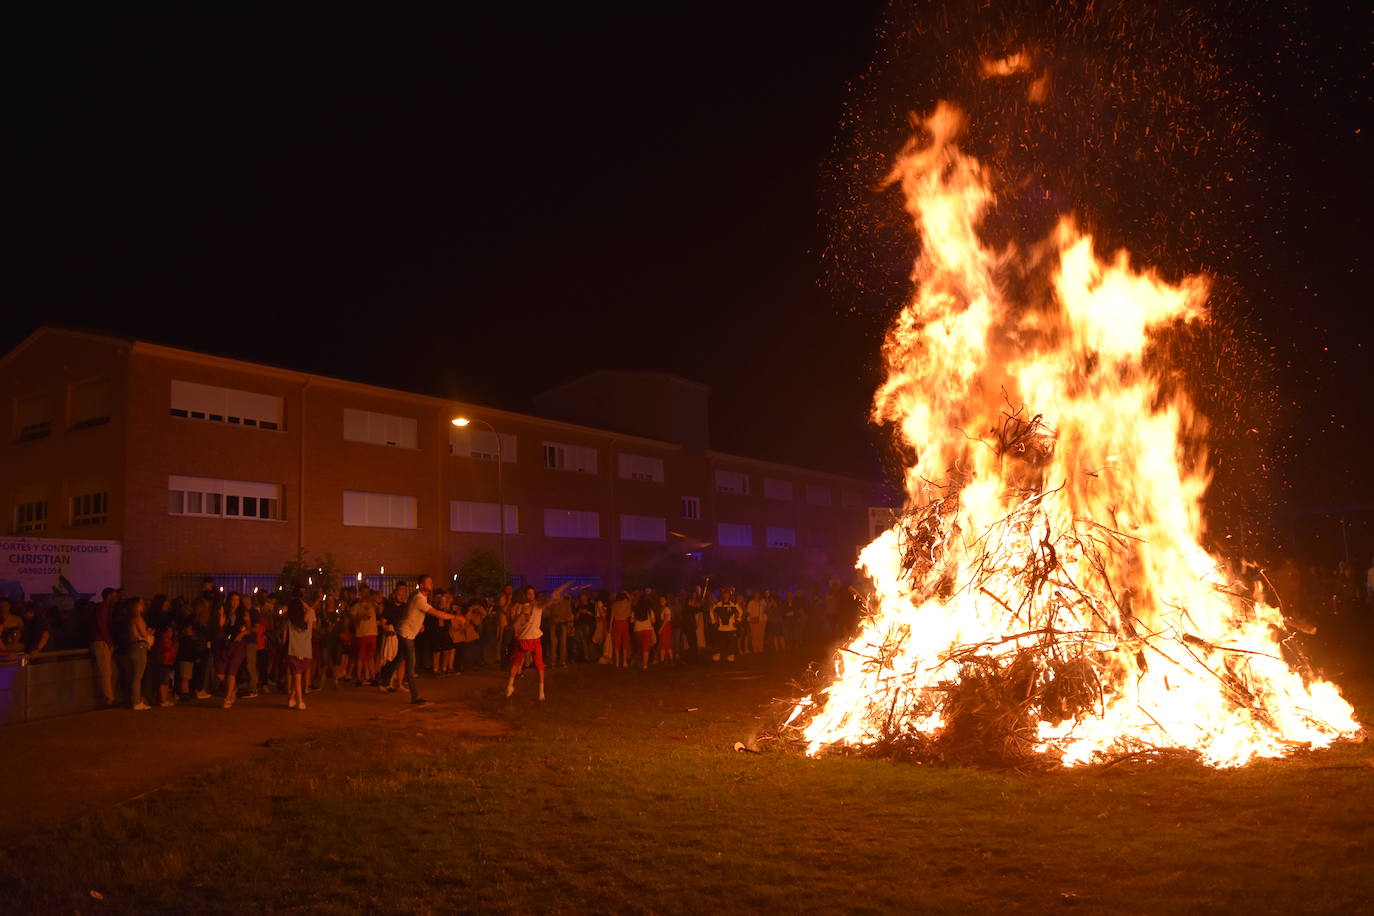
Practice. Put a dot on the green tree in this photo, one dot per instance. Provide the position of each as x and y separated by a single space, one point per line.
482 574
323 572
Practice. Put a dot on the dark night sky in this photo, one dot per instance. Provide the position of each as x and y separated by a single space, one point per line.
482 203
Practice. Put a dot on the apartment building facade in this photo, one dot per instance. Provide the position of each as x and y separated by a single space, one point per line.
199 464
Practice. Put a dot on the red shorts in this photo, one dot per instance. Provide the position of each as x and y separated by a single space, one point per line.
532 646
620 634
296 665
365 647
665 638
645 638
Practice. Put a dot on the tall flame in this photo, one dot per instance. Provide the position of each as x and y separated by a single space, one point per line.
1054 558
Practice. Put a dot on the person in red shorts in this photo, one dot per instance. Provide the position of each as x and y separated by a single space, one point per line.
665 630
644 631
620 630
365 636
300 619
526 618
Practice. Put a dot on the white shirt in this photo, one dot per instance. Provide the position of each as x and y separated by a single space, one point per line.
528 617
415 616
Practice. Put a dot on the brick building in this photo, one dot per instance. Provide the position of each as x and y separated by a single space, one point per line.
200 464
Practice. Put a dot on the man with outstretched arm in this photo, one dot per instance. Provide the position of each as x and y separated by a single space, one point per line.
526 618
406 631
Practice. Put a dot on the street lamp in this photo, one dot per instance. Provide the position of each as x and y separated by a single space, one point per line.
500 489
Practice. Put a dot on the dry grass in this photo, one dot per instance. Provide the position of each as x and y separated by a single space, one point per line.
612 797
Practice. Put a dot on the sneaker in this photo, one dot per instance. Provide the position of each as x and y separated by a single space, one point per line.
291 703
419 701
716 657
302 705
228 702
382 688
510 690
202 694
541 696
141 706
729 658
250 695
166 703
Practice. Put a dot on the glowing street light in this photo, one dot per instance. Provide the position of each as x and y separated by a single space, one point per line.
500 488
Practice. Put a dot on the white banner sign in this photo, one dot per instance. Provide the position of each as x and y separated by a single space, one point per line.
39 567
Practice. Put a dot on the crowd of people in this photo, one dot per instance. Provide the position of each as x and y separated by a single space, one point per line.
225 646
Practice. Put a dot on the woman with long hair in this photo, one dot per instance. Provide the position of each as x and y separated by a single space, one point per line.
300 621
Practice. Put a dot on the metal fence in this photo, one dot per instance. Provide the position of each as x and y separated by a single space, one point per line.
187 585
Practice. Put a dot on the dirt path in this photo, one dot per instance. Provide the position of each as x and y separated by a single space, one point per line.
60 769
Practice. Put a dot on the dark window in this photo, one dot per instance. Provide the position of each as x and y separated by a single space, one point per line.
231 505
267 424
178 412
198 415
35 431
250 506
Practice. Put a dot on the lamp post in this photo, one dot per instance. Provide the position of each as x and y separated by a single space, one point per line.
500 490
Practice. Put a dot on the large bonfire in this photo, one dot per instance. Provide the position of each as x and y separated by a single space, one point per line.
1045 593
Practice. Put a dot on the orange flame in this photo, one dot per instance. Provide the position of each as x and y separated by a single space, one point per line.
1074 534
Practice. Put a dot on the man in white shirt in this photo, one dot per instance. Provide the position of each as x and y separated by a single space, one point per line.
416 609
526 617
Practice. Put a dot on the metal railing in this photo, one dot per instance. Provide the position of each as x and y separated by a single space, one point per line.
187 585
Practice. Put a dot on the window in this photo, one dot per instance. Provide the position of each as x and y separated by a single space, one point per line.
379 428
31 517
570 523
735 535
732 482
639 467
90 509
209 496
777 489
818 496
851 499
469 516
561 457
33 417
379 510
90 404
643 528
466 442
782 537
691 508
193 401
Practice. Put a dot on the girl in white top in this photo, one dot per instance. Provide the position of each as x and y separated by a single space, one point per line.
300 620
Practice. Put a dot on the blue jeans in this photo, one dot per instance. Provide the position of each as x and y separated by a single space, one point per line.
405 652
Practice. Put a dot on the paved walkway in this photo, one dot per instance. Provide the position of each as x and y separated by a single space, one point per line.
59 769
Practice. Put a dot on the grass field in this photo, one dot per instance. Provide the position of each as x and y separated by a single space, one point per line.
613 797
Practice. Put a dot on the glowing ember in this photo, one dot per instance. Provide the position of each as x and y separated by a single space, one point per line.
1046 590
